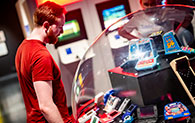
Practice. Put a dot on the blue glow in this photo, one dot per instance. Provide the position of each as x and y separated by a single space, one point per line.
115 12
164 2
68 51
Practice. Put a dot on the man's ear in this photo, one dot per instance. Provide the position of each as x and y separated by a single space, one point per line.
46 25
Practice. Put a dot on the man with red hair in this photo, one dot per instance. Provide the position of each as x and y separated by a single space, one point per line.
38 74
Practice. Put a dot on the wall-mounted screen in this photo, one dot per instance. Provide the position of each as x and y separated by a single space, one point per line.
73 29
111 15
110 11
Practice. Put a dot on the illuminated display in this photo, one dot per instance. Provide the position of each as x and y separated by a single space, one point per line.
60 2
71 30
111 15
111 11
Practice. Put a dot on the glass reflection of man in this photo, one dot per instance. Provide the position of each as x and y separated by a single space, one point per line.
149 3
142 23
148 21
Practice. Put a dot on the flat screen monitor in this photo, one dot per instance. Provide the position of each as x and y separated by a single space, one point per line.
73 29
110 11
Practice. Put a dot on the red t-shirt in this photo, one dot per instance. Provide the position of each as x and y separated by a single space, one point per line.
34 63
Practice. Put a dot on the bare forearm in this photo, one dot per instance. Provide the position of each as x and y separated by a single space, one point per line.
52 114
44 94
125 34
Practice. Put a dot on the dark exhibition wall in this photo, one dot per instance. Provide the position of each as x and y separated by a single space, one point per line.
11 101
9 24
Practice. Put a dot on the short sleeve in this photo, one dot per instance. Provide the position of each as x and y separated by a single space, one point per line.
42 66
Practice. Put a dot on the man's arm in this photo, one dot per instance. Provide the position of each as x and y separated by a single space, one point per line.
122 32
44 94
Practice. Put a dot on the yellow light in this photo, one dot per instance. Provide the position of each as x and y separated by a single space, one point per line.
60 2
81 80
170 117
186 113
1 118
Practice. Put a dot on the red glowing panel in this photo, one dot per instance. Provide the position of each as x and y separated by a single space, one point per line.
60 2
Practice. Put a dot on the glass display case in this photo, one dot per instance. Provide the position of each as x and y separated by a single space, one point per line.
115 81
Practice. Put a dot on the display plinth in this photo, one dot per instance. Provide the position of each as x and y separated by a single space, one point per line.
147 87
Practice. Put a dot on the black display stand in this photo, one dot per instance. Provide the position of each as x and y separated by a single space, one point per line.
149 86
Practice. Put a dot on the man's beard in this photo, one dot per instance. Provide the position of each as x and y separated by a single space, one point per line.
52 39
